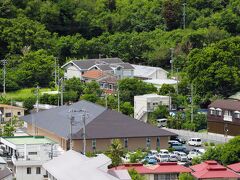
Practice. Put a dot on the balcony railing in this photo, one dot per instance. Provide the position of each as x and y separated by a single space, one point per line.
227 118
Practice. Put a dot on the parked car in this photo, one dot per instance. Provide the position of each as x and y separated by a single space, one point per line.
172 141
181 140
192 154
182 157
153 152
162 122
163 157
178 147
150 160
195 142
163 151
173 158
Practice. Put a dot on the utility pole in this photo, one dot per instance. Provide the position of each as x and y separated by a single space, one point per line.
171 61
4 75
184 15
62 88
55 71
191 102
106 100
37 102
83 115
177 82
118 97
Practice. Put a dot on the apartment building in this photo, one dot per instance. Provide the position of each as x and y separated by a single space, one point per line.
147 103
7 112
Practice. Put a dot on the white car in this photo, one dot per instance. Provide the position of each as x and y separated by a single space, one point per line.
182 157
153 152
163 157
163 151
195 142
192 154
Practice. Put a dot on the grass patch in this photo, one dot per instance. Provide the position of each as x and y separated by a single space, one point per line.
202 131
23 94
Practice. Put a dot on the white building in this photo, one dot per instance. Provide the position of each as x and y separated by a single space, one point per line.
148 72
159 82
116 66
28 154
75 166
5 172
148 103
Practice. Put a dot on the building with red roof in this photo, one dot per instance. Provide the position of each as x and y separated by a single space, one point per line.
235 167
164 170
213 170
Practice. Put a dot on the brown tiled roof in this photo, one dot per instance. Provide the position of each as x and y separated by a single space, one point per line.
226 104
109 79
93 74
112 124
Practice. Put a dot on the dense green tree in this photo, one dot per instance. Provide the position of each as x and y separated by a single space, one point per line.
166 89
135 175
186 176
126 108
74 84
36 67
130 87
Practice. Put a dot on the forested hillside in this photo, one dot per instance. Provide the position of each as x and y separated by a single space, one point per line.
207 52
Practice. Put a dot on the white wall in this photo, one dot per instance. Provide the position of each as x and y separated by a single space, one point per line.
21 173
72 71
158 74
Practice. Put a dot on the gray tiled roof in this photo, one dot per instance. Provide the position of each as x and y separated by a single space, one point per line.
226 104
86 64
104 67
101 123
57 120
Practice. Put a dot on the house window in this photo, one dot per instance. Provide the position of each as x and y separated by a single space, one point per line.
237 114
148 142
29 170
32 153
38 170
19 113
94 143
158 142
219 112
110 86
125 142
212 111
8 114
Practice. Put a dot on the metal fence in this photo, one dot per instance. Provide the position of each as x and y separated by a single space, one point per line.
205 136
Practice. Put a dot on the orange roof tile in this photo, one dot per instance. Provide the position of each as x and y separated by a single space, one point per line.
93 74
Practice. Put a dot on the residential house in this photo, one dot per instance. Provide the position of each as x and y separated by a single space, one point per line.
235 167
161 171
74 166
28 153
5 172
213 170
107 81
224 117
147 103
102 125
76 68
7 112
148 72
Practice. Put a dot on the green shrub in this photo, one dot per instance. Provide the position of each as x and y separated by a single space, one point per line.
206 144
212 144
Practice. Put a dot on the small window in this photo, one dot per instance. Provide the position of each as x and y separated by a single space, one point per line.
38 170
126 142
94 143
19 113
29 170
32 153
148 142
110 86
8 114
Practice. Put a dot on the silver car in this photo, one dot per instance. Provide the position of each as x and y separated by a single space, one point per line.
182 157
163 157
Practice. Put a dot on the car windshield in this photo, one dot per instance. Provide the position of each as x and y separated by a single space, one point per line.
198 140
164 156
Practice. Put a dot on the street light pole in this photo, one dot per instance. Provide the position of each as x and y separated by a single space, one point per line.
191 102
